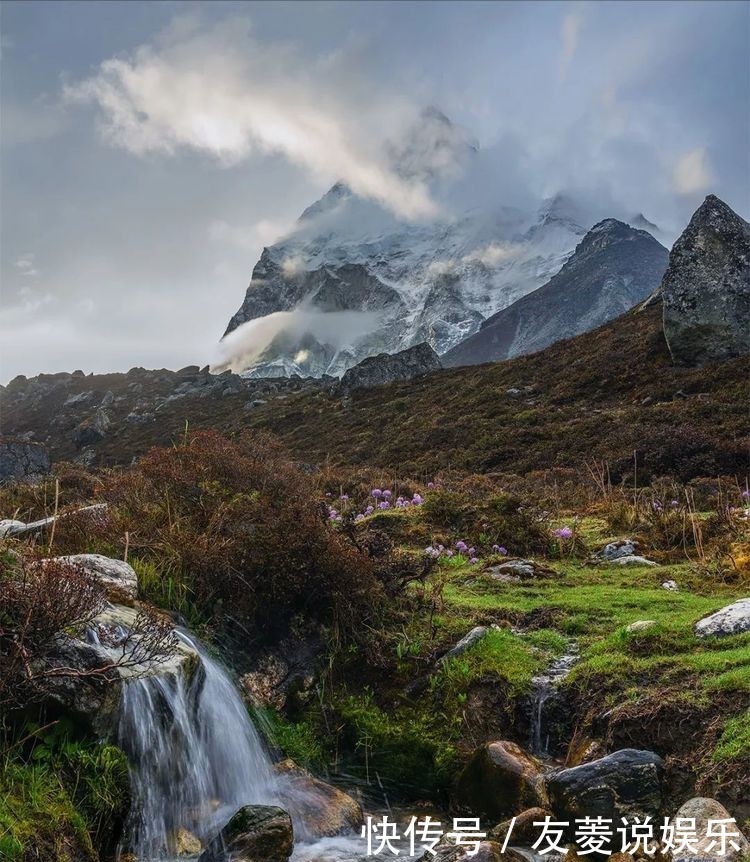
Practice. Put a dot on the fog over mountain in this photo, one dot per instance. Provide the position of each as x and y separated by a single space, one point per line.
151 151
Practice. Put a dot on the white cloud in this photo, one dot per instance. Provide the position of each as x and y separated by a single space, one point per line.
692 172
26 265
293 265
221 92
248 237
569 34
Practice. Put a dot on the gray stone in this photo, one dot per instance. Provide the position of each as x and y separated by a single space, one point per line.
640 625
22 460
92 429
390 367
670 585
706 289
733 619
633 560
627 783
466 642
615 550
18 528
702 809
119 578
255 833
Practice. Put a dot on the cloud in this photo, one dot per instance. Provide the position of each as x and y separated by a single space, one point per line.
26 265
569 35
221 92
248 237
242 347
692 172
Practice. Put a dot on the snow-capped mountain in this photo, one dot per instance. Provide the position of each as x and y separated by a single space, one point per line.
353 280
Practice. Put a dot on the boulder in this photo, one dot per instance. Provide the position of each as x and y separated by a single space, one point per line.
320 809
513 571
706 288
670 585
92 429
500 780
703 809
627 783
10 527
448 851
633 560
116 576
615 550
390 367
22 460
733 619
466 642
640 625
255 833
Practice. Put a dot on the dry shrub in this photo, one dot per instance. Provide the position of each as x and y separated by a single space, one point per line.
245 531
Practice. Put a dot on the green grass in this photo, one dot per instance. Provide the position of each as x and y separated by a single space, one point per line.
735 739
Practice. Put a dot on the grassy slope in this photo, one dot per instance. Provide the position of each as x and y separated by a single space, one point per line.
585 399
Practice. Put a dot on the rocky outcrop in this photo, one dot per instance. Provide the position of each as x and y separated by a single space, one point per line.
514 571
627 783
255 833
734 619
466 642
92 429
320 809
702 809
706 289
613 268
501 779
117 577
390 367
22 460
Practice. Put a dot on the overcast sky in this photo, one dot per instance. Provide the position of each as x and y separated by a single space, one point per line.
150 150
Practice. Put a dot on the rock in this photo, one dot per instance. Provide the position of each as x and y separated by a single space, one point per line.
10 527
390 367
119 579
466 642
501 779
321 810
524 831
633 560
615 550
513 571
99 646
614 267
627 783
184 843
255 833
91 430
448 851
640 625
670 585
703 809
18 528
79 398
734 619
22 460
706 288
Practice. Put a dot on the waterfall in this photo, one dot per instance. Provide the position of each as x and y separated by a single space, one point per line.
195 755
543 688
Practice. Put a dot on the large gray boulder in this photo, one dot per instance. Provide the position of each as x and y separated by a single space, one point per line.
116 576
501 779
627 783
706 289
22 460
255 833
733 619
390 367
702 809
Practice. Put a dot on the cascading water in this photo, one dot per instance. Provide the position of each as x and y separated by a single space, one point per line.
195 756
543 689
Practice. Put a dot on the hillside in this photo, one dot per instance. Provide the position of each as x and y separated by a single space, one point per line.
601 395
612 269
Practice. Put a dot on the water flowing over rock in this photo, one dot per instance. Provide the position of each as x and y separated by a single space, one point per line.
706 289
196 758
550 715
256 833
390 367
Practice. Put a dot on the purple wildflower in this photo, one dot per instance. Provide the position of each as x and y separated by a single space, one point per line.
473 560
502 551
417 499
344 497
369 510
387 494
674 504
746 495
563 533
359 518
472 552
461 546
384 505
430 485
376 493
